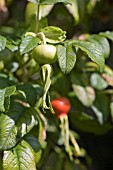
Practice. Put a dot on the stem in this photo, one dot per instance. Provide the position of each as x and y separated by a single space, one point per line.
67 131
64 126
42 36
75 144
37 18
67 145
62 129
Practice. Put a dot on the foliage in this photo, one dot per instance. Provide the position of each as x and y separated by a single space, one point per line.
30 133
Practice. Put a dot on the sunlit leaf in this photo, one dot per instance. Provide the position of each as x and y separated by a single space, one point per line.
85 94
66 57
77 9
2 43
4 93
107 34
54 34
31 9
28 43
20 157
19 120
98 82
93 52
27 122
102 43
8 132
47 2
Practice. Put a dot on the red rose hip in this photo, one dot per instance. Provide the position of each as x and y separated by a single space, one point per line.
61 106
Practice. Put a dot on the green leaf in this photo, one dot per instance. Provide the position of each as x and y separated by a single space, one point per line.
107 34
10 91
19 121
29 92
2 43
108 71
33 141
42 23
2 99
20 157
8 132
27 122
44 10
102 43
31 9
85 94
102 106
77 9
98 82
11 46
8 128
28 43
5 81
4 93
90 6
98 114
79 77
48 2
54 34
6 56
16 107
66 57
87 123
93 52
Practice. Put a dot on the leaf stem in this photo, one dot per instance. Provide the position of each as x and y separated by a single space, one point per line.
37 18
67 145
42 36
75 144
